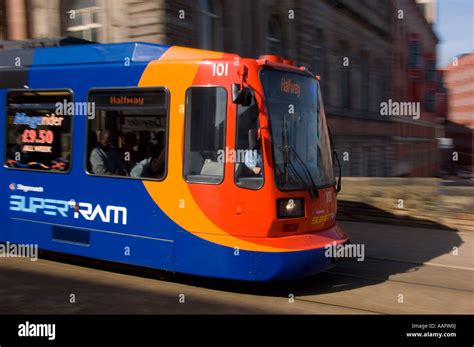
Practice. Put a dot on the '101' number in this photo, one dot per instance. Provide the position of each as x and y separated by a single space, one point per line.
220 69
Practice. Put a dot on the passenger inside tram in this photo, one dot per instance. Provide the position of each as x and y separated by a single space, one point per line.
105 159
154 165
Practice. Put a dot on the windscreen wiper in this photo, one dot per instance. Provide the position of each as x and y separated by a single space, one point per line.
286 148
305 181
314 191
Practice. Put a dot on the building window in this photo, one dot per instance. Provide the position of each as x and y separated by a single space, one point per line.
430 101
320 64
38 138
318 52
128 136
364 81
212 27
81 19
345 77
379 82
415 52
274 36
430 72
204 132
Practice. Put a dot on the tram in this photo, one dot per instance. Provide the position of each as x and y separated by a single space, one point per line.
174 158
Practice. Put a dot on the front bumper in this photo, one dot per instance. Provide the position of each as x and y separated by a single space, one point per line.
200 257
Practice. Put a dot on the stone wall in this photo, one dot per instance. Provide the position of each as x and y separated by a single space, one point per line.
425 202
317 34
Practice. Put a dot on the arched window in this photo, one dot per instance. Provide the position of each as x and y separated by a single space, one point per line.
274 36
81 19
212 27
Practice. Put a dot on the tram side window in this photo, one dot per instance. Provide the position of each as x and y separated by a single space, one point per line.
129 134
205 134
38 134
248 161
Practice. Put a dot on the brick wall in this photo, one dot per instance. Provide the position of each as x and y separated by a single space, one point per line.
459 79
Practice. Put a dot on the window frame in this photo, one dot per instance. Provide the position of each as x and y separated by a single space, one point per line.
86 142
266 103
212 23
8 91
235 146
274 29
319 47
84 30
364 68
184 132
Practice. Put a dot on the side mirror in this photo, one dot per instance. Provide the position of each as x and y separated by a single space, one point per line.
241 96
339 179
334 155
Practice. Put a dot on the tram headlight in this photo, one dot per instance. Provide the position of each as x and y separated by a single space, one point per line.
290 208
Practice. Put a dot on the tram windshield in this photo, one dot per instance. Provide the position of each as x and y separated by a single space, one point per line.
301 146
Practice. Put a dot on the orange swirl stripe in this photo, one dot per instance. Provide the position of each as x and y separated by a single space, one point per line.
176 69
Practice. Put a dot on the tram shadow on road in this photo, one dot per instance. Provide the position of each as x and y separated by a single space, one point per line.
398 247
394 244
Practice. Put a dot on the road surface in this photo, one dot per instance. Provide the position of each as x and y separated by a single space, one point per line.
405 270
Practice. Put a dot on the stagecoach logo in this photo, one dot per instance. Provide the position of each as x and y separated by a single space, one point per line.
13 187
78 210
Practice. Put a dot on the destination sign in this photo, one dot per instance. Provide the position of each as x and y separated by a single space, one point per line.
144 98
288 86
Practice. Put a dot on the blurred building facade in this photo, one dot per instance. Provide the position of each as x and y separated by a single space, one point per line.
364 53
3 21
459 77
459 80
428 9
415 80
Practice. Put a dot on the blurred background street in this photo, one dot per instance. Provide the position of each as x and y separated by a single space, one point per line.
366 52
408 180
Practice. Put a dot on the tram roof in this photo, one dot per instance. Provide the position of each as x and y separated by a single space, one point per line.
82 53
